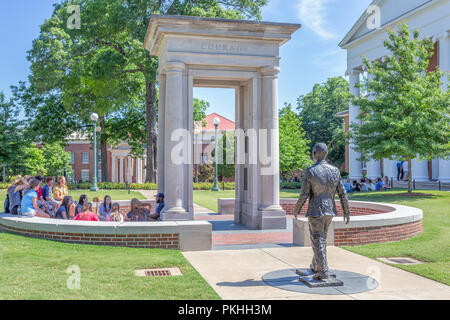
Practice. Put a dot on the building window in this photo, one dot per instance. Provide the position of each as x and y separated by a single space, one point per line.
85 159
85 175
99 175
204 158
99 157
72 158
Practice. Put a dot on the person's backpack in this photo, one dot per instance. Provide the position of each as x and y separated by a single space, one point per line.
7 204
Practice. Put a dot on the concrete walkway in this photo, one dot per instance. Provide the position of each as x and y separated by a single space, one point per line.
237 274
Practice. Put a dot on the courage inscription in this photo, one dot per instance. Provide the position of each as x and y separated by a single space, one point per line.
221 47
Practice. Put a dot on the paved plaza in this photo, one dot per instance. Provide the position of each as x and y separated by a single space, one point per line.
238 274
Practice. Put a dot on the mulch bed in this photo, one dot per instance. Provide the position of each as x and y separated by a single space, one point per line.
406 194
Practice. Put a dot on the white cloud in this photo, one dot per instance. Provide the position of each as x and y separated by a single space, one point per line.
312 14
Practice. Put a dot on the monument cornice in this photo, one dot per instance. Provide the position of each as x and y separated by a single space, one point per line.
160 26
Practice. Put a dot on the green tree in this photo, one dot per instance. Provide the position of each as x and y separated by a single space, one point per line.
29 160
294 146
55 159
404 111
103 65
200 107
317 110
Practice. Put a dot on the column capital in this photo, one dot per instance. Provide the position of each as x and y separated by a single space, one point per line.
173 66
353 72
443 35
270 71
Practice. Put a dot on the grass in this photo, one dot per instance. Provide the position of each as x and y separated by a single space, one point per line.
75 194
208 199
431 246
36 269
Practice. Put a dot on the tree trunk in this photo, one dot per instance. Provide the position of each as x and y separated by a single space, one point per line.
409 175
104 152
151 131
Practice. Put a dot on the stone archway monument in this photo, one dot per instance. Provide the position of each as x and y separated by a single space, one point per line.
220 53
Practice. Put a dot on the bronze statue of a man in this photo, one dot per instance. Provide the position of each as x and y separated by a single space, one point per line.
320 184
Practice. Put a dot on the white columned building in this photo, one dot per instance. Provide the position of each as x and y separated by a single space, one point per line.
431 18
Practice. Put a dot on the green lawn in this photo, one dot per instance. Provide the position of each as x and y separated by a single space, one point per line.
36 269
115 195
208 199
431 246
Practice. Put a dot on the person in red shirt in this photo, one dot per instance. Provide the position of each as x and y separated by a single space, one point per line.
87 214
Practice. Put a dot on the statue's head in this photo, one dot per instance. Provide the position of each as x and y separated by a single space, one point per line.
320 152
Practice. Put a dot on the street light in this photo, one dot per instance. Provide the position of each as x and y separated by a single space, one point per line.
196 134
216 157
94 118
98 130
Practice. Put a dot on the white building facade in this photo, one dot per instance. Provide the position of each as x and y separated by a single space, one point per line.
432 19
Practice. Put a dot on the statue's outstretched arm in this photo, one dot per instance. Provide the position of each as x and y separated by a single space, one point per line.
304 195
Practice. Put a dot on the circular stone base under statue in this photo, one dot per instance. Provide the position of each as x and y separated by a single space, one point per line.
288 280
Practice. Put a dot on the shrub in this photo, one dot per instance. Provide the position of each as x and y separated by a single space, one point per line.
290 185
344 174
4 185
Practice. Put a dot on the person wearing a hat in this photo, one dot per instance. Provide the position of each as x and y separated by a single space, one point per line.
159 207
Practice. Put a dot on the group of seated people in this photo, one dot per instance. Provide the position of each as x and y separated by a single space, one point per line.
364 185
27 197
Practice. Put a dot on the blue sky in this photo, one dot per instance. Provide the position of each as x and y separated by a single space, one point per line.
310 57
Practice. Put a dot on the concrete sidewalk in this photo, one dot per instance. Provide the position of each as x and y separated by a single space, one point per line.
237 274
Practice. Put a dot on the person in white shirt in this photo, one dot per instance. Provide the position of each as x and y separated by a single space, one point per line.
405 170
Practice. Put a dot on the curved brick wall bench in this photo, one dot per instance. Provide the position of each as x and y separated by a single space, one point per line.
390 223
370 222
182 235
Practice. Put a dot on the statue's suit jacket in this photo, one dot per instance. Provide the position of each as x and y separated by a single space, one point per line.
320 184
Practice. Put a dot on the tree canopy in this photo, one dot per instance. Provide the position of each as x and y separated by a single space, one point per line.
317 110
404 111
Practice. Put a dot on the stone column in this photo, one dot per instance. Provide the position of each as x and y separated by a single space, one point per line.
444 65
271 215
354 164
121 158
174 183
138 170
113 168
129 169
420 170
373 169
161 130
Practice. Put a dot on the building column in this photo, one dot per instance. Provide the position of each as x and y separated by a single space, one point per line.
113 168
121 180
161 132
355 165
444 65
129 169
373 169
174 170
271 215
420 170
138 170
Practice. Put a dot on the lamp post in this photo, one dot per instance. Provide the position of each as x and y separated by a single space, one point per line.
94 118
196 134
216 157
97 148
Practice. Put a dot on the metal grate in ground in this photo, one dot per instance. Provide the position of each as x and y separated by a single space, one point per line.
162 272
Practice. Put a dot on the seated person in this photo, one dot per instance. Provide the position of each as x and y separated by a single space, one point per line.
105 208
379 186
47 193
42 204
66 210
80 205
160 206
387 183
364 185
348 186
138 212
356 186
115 215
15 195
371 185
87 214
29 204
60 190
